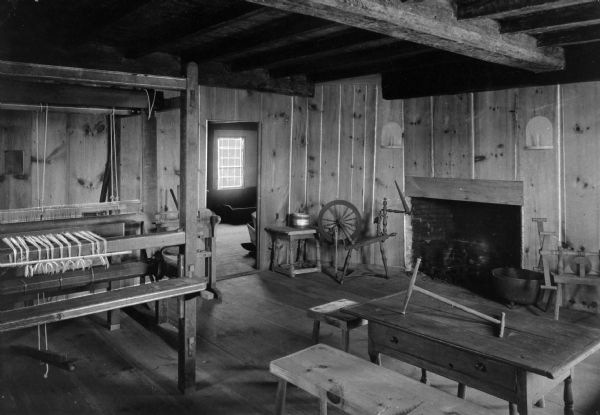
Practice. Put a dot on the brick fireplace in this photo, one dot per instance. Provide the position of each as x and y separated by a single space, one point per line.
461 241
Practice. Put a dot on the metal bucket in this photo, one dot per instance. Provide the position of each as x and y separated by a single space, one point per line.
516 285
299 220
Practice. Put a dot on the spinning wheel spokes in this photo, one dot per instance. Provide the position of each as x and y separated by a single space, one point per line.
340 216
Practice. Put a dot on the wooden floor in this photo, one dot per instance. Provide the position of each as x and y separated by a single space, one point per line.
232 259
263 316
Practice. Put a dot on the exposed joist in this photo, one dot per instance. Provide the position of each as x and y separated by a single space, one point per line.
468 9
351 59
431 23
215 74
570 37
212 33
288 31
73 95
346 41
553 19
93 77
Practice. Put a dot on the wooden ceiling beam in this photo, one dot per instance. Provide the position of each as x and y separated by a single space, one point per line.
553 19
215 74
469 9
292 30
432 23
49 93
349 60
347 41
570 37
220 30
92 77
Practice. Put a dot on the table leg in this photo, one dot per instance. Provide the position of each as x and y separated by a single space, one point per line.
462 389
272 263
375 357
323 406
318 248
568 395
512 409
345 340
280 397
424 376
291 258
315 333
524 398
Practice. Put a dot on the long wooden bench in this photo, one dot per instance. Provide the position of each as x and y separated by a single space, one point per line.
97 303
359 387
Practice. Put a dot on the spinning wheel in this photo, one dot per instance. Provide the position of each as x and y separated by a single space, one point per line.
339 220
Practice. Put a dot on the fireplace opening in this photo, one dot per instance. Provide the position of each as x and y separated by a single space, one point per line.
461 242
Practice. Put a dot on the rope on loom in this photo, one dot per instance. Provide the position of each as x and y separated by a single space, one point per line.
44 161
150 105
113 158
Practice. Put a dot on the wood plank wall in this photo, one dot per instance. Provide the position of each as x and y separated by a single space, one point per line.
482 136
75 154
312 151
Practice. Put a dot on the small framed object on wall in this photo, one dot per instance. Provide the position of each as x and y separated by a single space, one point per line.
539 134
392 135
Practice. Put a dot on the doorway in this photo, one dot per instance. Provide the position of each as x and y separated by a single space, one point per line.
232 178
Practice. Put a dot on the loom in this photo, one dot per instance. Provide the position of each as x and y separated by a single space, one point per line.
98 250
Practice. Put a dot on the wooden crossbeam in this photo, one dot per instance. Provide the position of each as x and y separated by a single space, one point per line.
553 19
97 303
214 32
430 23
350 59
468 9
94 77
570 37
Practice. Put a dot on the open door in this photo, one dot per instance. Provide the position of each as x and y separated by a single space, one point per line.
232 179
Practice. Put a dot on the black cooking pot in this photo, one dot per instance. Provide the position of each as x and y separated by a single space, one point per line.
517 285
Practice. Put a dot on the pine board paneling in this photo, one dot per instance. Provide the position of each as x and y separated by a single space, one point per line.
581 120
330 154
275 166
452 144
370 116
15 135
313 149
495 121
417 137
389 166
298 156
130 157
358 149
346 143
247 105
167 138
87 143
538 169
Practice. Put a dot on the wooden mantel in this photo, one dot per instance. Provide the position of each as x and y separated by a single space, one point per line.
502 192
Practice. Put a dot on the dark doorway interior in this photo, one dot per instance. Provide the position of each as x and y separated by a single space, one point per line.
232 178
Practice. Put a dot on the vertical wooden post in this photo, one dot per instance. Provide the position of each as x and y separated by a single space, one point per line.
188 213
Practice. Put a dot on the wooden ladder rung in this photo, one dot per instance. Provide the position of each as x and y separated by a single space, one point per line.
97 303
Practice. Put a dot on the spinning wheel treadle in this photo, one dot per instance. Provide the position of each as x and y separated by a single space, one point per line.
341 218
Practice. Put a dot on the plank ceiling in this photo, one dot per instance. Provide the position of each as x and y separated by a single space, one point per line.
287 46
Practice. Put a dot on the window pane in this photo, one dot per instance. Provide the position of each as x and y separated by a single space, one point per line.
230 167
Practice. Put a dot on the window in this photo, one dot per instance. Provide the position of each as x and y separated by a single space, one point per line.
230 168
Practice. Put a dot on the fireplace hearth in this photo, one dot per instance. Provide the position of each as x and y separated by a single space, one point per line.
461 242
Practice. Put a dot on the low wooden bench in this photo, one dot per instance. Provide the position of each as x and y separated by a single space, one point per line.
359 387
330 313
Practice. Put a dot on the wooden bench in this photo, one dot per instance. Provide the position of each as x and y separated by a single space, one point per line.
359 387
330 313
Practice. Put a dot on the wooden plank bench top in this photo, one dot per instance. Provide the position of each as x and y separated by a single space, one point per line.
359 387
97 303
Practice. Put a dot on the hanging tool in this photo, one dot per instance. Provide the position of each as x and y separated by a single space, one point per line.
412 287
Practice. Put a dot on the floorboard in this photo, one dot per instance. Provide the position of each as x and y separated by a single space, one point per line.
262 317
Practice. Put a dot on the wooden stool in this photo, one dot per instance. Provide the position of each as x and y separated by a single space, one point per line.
359 387
330 313
293 236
